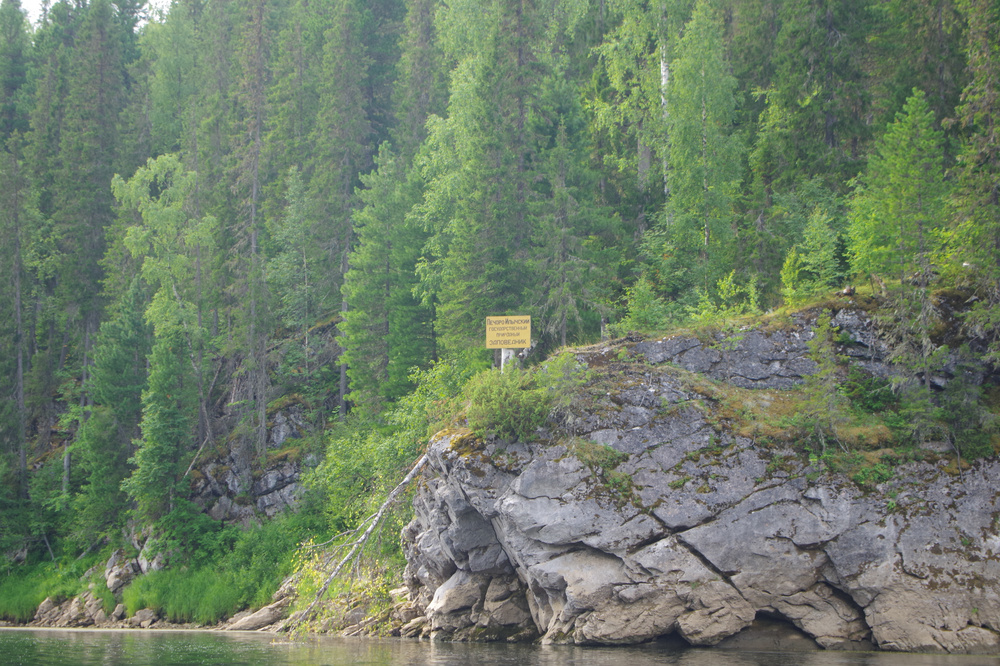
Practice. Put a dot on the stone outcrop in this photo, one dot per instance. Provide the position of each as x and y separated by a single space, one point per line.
261 618
85 610
694 530
228 490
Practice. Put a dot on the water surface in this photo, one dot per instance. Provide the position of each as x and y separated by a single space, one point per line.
82 647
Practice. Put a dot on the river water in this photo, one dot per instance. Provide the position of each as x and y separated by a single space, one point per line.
45 647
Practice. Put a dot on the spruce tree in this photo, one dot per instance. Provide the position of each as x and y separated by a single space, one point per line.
106 439
421 78
168 409
577 240
976 229
18 222
900 205
292 279
248 289
15 54
387 331
819 80
479 168
895 224
704 153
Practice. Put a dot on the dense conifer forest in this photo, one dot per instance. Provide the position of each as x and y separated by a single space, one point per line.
197 205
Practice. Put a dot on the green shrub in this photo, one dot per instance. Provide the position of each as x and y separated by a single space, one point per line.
873 475
509 404
868 393
646 311
595 455
561 376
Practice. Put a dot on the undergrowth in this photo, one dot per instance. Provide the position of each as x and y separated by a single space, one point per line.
24 588
243 571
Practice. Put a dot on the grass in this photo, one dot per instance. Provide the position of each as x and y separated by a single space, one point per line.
25 588
595 455
204 596
243 572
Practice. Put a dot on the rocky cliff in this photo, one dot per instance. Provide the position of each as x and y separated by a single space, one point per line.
643 511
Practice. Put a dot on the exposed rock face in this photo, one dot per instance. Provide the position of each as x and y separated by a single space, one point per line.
698 532
229 492
119 571
85 610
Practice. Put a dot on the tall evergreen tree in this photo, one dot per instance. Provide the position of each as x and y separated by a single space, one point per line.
917 44
422 84
106 439
18 218
577 241
250 386
342 146
168 406
15 53
704 152
895 222
387 331
479 177
175 58
977 228
820 81
901 205
87 154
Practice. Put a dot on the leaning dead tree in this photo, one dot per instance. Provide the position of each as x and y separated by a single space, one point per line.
355 548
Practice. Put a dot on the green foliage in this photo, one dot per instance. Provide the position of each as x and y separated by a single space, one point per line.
873 475
510 404
22 590
387 331
595 455
824 409
167 426
868 393
514 403
228 569
812 267
897 211
733 300
562 375
367 454
971 426
646 311
705 152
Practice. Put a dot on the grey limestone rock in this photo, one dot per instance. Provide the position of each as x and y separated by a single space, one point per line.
711 532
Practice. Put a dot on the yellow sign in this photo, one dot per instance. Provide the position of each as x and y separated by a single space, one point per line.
508 332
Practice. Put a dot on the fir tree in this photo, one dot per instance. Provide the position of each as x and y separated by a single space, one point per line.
704 153
898 209
106 439
976 231
479 172
15 52
387 331
168 406
895 225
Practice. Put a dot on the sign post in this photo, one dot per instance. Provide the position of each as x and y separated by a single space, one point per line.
508 334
